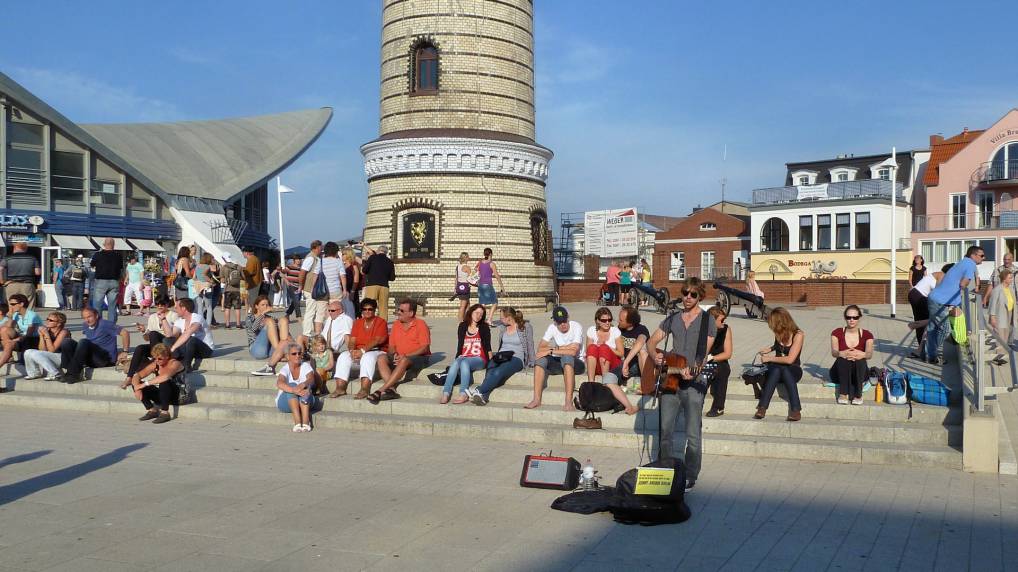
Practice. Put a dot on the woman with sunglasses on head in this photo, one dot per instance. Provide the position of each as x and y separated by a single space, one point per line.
296 384
46 359
159 392
782 360
851 346
266 335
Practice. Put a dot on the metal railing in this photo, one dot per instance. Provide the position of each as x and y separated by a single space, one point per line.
839 190
997 171
984 344
966 221
706 273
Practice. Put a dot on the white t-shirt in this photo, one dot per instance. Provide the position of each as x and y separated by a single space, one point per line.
333 267
613 334
338 328
305 369
203 333
926 284
574 336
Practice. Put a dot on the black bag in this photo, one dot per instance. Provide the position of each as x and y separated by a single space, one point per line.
595 397
631 508
438 378
462 288
585 502
180 281
501 357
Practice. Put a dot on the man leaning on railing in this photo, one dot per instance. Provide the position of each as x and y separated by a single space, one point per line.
946 295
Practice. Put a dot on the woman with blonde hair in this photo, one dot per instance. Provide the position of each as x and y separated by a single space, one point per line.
782 360
753 288
353 280
158 393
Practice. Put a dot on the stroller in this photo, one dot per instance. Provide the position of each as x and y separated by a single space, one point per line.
604 296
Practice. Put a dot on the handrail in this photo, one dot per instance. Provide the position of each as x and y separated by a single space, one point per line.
980 333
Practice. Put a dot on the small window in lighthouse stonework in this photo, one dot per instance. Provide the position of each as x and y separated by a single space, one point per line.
423 68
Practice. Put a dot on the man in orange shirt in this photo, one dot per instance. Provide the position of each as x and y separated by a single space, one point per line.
409 347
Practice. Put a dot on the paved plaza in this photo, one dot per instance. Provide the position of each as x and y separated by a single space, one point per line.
84 492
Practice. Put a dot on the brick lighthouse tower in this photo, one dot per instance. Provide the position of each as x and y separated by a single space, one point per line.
456 168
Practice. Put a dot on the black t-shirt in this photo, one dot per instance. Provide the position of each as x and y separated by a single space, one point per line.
108 265
629 337
379 270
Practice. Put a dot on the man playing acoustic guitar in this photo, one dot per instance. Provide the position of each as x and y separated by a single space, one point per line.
692 332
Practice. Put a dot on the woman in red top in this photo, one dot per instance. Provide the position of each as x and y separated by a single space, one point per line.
368 339
473 350
851 346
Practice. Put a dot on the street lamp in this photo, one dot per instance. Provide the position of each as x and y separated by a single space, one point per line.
891 164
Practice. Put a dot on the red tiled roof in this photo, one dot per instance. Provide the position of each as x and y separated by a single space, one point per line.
943 150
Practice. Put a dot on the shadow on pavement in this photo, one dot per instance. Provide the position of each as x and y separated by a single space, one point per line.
24 458
19 490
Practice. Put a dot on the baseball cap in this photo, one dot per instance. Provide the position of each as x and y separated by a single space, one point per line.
560 315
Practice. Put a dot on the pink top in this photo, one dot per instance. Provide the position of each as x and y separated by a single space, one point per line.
613 274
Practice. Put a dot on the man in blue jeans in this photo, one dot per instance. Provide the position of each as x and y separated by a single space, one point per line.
109 272
684 328
946 295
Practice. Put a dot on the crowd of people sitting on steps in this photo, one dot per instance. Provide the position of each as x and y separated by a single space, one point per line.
345 338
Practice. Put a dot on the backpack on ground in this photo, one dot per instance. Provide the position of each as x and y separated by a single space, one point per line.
594 397
647 496
895 387
233 275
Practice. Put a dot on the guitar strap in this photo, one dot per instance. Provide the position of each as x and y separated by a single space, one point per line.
701 344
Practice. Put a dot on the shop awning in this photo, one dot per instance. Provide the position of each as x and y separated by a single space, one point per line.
73 242
118 243
146 245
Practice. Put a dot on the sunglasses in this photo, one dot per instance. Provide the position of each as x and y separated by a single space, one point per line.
295 353
691 293
852 317
331 310
605 320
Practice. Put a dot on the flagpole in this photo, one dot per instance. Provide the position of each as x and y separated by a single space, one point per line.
279 204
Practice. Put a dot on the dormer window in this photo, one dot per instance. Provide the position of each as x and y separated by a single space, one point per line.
878 171
708 226
842 174
804 178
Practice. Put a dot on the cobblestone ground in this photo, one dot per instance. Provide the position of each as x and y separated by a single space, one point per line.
84 492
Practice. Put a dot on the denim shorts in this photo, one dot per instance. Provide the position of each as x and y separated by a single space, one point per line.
283 402
553 364
486 294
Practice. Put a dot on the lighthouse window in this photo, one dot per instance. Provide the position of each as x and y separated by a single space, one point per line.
425 78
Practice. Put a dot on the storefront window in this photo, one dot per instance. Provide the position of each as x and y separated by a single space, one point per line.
806 232
862 230
823 232
843 230
774 235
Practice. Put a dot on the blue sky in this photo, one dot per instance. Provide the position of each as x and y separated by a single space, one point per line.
637 99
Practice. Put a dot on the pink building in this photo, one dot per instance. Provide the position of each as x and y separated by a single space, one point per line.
971 184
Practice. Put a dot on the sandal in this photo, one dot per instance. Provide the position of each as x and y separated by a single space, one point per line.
389 394
361 394
374 398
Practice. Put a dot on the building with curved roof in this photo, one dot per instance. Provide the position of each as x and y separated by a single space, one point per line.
151 186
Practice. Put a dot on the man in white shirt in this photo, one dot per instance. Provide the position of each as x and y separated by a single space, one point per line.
188 337
336 329
560 350
314 310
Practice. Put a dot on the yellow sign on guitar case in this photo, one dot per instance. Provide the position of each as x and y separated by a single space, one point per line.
654 481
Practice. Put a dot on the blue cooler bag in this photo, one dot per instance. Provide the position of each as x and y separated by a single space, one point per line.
928 391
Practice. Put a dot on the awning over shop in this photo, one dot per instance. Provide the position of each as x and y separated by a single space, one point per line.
118 243
73 242
146 245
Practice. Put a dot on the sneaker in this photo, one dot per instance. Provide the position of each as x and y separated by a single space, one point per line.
266 370
690 485
31 377
307 428
857 401
477 399
842 400
162 418
937 361
149 415
298 428
53 377
715 412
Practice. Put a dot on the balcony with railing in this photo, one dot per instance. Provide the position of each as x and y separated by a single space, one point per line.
867 188
998 172
966 221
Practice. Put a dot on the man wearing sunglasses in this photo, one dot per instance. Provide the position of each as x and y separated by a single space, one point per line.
946 295
692 332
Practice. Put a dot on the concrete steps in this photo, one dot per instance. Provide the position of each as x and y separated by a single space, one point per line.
870 433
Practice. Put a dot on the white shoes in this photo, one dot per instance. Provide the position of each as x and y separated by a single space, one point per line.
266 370
857 401
301 428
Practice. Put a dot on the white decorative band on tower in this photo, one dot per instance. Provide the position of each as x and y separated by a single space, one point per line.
456 155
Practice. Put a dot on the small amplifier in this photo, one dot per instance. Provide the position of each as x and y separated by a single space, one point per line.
547 472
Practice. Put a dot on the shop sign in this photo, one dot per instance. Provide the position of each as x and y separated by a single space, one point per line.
20 222
30 239
812 192
611 233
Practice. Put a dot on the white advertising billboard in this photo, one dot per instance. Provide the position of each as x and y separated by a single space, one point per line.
611 233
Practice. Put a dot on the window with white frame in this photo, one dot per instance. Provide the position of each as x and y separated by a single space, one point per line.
959 211
940 252
984 209
677 268
884 174
803 177
708 226
707 265
841 174
806 232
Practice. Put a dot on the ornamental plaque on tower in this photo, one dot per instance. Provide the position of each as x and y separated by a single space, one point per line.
456 168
